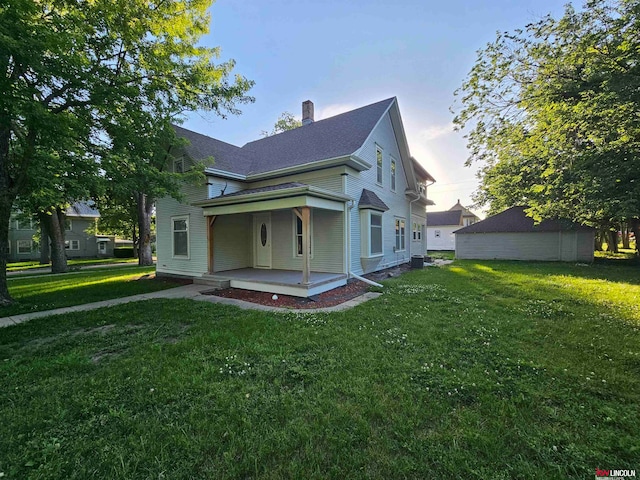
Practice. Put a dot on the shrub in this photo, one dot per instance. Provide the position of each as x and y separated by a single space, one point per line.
123 252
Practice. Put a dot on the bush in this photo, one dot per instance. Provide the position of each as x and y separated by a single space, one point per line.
123 252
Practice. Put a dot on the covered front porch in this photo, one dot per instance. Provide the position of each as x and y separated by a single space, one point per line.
283 282
287 239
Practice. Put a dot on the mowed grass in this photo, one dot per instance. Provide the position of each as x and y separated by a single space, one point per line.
47 292
475 370
83 262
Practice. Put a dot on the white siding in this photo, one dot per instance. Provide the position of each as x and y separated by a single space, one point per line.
508 246
446 241
232 242
327 235
166 208
542 246
398 203
218 185
329 179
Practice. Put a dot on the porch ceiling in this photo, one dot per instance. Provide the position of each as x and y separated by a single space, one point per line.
274 198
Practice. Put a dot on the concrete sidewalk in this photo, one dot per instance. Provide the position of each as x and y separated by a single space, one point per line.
194 292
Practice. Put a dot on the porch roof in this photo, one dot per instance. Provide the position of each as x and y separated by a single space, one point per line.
273 197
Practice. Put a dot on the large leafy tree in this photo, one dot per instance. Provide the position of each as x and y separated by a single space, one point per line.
552 112
70 71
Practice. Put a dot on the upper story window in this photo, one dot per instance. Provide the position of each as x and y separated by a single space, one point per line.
393 174
178 165
24 224
68 225
400 234
436 234
379 165
180 236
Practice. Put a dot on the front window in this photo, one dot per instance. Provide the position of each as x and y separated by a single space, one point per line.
180 230
376 234
25 246
400 234
178 165
393 175
298 234
72 244
379 164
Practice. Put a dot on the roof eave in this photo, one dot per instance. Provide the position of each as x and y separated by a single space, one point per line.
352 161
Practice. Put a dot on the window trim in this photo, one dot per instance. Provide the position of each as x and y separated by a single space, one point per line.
417 232
393 167
24 241
179 161
173 237
379 165
71 243
437 233
381 227
68 221
400 234
296 234
24 229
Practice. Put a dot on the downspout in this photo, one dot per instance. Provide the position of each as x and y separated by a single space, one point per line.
365 280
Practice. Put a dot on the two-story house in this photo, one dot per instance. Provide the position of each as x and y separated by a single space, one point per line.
441 225
80 228
299 212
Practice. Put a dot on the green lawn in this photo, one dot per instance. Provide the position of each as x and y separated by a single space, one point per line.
488 370
46 292
31 265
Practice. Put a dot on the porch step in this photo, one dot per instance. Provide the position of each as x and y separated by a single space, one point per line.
212 281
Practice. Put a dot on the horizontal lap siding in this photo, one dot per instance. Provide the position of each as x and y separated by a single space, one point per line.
327 233
397 201
232 244
166 208
328 179
542 246
446 241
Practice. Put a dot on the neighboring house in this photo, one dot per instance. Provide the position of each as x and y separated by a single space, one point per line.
441 225
511 235
81 218
299 212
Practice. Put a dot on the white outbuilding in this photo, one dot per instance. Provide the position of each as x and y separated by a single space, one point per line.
512 235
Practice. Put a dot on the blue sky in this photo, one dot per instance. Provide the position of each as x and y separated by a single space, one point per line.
345 54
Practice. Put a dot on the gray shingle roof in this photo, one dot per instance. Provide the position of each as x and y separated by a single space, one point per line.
83 209
333 137
515 219
440 219
270 188
368 199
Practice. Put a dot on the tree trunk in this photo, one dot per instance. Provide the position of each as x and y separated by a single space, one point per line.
634 224
134 239
597 240
625 235
7 197
612 241
55 225
145 207
44 240
6 204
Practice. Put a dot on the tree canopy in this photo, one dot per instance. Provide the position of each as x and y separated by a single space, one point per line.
75 75
286 121
553 115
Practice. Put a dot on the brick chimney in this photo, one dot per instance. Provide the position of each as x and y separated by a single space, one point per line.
307 112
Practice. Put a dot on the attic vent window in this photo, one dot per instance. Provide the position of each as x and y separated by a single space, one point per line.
178 165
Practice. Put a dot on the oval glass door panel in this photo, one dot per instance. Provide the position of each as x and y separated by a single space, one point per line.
263 234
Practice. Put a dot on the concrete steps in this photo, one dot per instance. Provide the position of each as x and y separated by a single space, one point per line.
212 281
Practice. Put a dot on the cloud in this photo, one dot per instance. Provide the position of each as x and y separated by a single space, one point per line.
437 131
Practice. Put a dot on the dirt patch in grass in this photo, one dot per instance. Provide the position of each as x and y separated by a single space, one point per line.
354 288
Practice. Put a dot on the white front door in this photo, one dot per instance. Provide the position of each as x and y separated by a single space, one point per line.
262 240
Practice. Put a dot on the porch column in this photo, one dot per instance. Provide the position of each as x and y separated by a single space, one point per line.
304 214
210 221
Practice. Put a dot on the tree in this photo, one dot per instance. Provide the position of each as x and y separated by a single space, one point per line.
552 112
111 61
286 121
